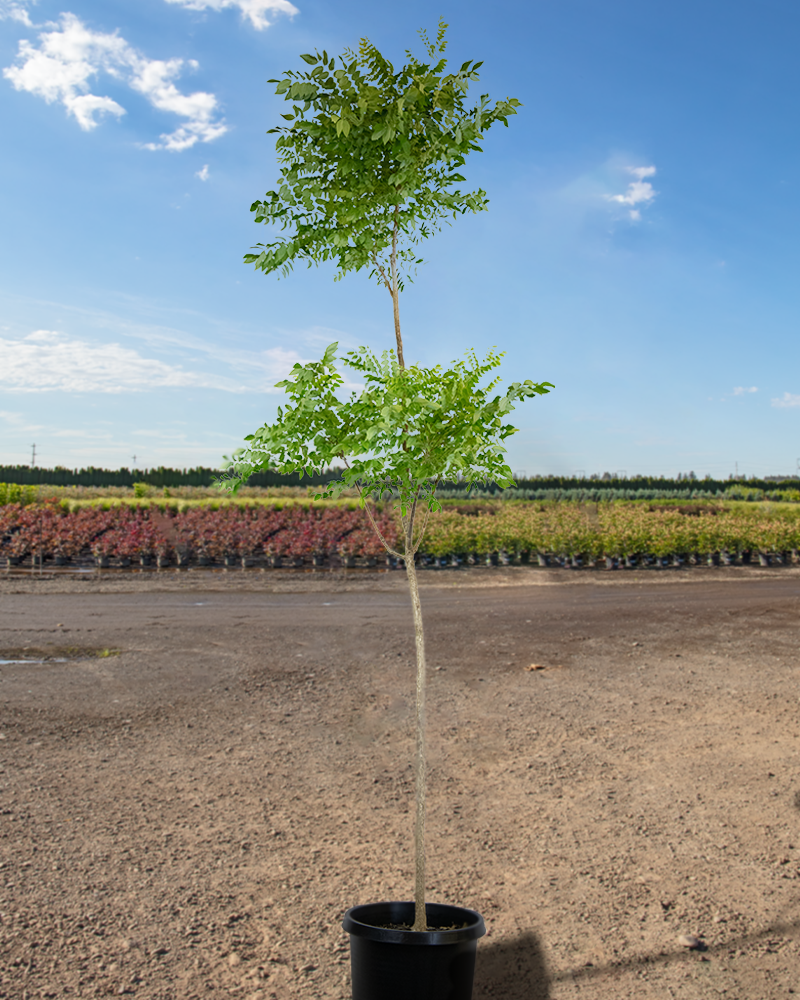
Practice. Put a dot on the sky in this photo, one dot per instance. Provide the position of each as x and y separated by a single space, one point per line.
640 250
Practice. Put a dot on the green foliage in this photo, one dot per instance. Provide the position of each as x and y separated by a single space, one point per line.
406 430
15 493
370 159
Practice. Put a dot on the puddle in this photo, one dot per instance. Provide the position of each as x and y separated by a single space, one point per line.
19 655
59 659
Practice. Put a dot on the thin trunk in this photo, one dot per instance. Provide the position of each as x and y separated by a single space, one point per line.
395 290
420 919
398 336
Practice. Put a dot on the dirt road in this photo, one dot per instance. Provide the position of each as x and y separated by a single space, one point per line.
189 816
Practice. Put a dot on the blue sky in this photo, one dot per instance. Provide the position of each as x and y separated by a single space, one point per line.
640 250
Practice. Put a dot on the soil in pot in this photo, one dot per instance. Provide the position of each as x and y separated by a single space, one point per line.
389 962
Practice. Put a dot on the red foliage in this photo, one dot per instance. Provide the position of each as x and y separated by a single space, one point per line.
131 532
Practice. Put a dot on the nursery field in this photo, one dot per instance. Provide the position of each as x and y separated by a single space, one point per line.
295 532
202 771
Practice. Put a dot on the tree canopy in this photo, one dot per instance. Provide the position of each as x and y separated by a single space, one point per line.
405 431
370 159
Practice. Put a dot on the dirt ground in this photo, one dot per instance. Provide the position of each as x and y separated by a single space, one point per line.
188 817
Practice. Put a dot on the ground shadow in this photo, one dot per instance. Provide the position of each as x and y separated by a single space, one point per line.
516 969
513 970
782 929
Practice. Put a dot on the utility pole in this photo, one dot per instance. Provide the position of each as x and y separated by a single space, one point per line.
33 457
134 461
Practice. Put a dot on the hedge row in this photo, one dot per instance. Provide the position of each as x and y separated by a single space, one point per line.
300 531
592 493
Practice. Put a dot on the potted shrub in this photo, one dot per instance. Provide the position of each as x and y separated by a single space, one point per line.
369 166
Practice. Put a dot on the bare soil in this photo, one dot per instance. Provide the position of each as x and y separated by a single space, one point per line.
221 766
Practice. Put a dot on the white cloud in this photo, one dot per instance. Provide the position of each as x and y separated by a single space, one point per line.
203 173
639 191
49 361
71 55
786 401
741 390
255 10
16 10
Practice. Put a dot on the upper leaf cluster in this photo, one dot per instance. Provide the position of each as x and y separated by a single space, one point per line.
369 154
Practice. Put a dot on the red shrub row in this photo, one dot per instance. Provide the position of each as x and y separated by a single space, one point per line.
130 533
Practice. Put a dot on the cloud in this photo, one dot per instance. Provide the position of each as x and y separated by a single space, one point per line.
46 361
741 390
786 401
16 10
203 173
639 191
255 10
71 55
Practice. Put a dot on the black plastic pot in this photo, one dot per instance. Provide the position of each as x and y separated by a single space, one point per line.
389 964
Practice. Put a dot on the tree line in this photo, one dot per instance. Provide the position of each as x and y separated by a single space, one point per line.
161 476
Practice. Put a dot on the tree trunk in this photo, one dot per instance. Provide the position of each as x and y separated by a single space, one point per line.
395 289
420 920
397 334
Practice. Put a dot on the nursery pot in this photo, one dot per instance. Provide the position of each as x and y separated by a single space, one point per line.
393 964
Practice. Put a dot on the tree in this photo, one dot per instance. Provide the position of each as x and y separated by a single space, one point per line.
369 168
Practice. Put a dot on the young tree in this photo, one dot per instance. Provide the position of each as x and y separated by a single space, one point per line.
369 167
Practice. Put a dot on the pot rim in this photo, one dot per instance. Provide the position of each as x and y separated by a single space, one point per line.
361 921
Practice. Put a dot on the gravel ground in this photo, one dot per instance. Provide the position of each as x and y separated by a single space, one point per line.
208 768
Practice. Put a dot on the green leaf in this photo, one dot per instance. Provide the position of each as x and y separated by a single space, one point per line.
435 424
366 140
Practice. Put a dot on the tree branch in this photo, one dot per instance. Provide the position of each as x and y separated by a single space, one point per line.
377 530
425 522
379 268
